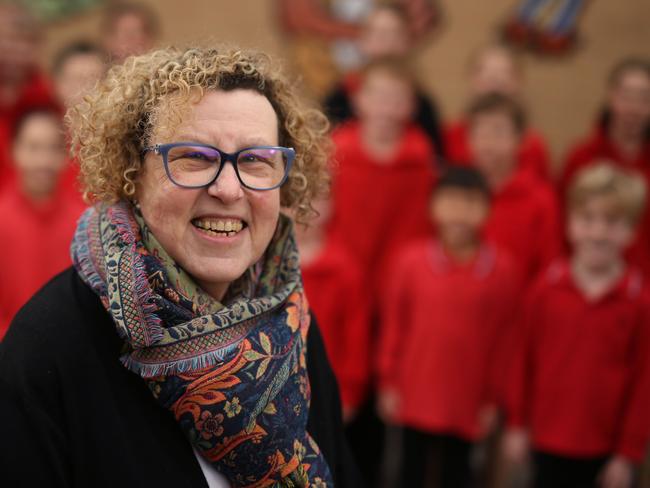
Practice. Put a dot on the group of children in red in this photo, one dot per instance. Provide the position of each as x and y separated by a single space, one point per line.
40 200
499 299
459 288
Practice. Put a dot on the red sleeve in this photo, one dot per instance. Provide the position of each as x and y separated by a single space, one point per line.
4 325
355 371
635 430
578 157
550 230
536 156
456 143
504 342
521 366
393 323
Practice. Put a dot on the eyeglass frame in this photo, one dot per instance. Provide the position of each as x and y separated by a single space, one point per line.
163 150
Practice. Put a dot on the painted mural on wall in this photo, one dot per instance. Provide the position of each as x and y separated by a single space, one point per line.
548 27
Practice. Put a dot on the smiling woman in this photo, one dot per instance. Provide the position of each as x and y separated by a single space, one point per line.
185 273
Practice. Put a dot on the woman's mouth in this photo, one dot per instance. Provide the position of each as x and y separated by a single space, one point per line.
219 227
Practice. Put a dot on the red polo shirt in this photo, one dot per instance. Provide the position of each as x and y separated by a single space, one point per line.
336 293
524 220
533 151
35 246
379 205
440 342
581 377
598 147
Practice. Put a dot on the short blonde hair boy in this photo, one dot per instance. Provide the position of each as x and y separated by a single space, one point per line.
627 189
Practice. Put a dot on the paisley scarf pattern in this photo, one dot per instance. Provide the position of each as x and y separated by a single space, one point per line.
233 374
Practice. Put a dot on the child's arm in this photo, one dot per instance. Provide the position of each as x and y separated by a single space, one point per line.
518 377
393 323
504 343
635 428
357 343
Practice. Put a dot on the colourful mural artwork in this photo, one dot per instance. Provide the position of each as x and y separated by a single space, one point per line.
546 26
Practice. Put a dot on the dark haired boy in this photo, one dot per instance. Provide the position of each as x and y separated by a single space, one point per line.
448 302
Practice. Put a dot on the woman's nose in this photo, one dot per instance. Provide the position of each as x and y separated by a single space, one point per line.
227 186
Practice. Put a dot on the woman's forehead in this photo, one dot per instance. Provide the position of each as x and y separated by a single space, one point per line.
242 116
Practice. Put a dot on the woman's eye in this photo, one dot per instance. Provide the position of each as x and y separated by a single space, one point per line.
250 158
196 155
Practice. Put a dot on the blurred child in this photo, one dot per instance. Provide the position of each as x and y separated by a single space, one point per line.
385 33
495 69
524 219
384 175
581 378
447 306
129 29
22 85
76 69
38 219
623 137
337 296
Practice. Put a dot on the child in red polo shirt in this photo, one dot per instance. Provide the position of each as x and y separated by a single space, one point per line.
337 296
386 32
524 218
622 136
581 377
495 69
383 171
447 305
38 216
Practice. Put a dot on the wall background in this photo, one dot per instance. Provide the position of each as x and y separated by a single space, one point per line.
562 95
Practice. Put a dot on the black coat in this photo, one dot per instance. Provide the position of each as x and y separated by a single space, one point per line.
72 416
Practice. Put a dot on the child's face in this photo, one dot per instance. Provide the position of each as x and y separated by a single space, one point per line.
598 231
128 37
385 34
629 100
494 141
495 72
458 215
39 154
385 101
77 76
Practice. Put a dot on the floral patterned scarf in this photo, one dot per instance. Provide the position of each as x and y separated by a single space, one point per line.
233 374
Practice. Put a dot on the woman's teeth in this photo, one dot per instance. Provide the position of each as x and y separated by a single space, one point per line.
219 227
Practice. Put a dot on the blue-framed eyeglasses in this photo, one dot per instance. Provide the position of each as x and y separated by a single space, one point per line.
196 165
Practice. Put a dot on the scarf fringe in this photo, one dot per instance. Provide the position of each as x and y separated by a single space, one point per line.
196 363
82 256
145 298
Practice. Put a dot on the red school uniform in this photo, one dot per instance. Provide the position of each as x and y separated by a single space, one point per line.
581 377
524 220
378 205
533 151
440 344
335 290
35 246
36 92
598 147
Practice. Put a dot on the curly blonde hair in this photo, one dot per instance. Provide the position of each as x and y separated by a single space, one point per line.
114 123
